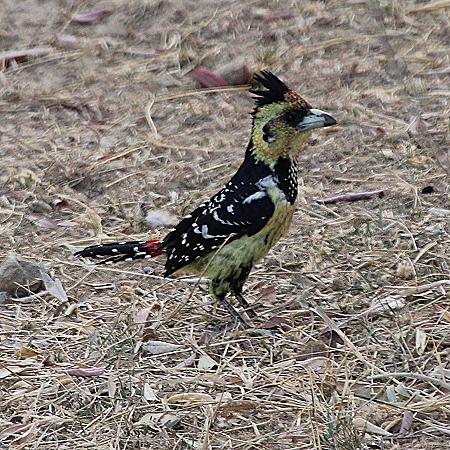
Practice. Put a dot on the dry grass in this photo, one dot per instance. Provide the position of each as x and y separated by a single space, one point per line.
360 291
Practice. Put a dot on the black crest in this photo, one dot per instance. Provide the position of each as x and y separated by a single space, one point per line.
275 88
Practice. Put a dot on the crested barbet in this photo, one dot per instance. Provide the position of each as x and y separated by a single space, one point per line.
223 238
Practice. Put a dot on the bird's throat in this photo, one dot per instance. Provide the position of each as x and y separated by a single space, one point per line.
289 145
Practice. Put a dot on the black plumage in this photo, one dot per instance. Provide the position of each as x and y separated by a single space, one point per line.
228 215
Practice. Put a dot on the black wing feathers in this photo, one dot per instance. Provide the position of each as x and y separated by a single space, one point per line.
239 209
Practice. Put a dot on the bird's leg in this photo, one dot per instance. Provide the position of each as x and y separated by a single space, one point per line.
237 286
229 307
244 303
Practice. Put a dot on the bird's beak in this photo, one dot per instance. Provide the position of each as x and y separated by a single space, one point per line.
316 119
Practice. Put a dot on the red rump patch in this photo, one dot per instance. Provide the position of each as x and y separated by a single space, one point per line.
151 246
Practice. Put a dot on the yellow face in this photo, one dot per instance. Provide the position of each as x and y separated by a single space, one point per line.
280 130
274 132
282 120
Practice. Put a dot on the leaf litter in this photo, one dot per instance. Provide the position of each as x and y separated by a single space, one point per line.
80 363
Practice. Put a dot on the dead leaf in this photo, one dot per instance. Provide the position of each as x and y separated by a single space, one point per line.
391 394
421 341
402 391
407 421
159 347
205 78
386 304
316 363
42 221
156 420
54 287
190 397
206 362
93 16
365 426
147 420
188 362
267 294
276 322
26 352
149 393
86 372
6 58
140 317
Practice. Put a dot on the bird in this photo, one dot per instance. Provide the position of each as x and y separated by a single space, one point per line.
223 238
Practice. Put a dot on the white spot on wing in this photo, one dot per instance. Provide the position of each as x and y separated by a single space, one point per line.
267 182
255 196
224 222
205 232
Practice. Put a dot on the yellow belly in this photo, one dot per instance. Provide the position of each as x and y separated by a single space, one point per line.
245 251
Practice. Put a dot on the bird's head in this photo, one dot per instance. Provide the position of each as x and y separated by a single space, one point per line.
282 120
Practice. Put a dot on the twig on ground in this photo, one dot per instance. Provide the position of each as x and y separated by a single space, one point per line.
351 197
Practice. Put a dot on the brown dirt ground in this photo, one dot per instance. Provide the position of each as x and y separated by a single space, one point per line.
81 164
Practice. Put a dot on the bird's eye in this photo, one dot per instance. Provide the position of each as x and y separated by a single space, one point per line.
267 135
292 118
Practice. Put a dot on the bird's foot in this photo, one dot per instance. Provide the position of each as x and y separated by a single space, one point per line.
244 303
235 314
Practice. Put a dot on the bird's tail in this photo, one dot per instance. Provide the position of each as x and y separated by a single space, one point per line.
122 251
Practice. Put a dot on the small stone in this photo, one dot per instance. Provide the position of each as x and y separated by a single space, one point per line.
15 273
